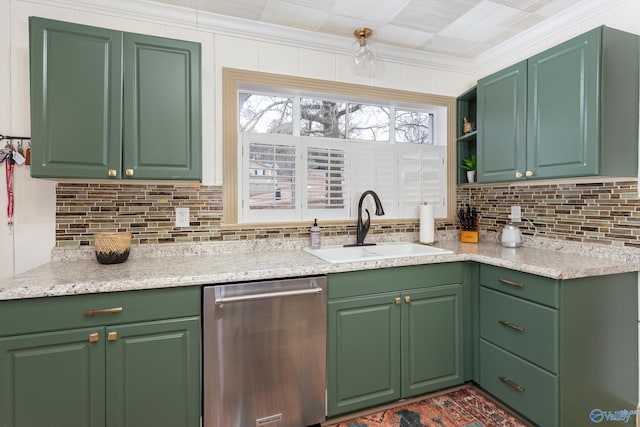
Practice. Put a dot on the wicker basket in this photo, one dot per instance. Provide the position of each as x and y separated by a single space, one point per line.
112 248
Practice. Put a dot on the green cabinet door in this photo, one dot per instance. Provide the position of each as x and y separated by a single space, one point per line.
76 98
153 374
53 379
563 108
432 339
502 140
161 108
363 352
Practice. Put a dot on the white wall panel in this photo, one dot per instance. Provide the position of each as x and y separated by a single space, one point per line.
317 65
235 52
6 239
278 58
417 79
447 83
346 72
389 75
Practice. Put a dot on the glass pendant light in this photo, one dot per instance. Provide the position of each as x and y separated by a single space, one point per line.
364 56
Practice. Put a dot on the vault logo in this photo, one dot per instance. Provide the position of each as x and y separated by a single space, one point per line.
598 415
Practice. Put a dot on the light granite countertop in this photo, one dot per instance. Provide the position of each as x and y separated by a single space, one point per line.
158 266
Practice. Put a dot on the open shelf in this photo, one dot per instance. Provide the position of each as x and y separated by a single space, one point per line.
465 143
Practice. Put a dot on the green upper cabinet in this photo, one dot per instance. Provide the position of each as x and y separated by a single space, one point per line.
76 100
502 114
107 104
161 108
571 110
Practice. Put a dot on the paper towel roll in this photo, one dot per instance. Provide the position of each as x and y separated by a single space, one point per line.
427 226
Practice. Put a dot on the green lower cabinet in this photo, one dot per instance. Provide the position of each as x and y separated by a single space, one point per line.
556 350
431 339
520 384
363 352
52 379
130 367
393 345
153 374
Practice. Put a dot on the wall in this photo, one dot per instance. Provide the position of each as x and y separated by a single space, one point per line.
34 233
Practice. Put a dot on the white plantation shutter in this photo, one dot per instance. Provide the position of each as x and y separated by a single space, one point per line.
373 166
422 172
326 193
270 178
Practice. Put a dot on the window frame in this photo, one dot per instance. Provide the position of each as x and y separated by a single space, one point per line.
236 79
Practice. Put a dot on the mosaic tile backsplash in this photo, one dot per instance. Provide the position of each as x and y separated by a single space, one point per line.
601 212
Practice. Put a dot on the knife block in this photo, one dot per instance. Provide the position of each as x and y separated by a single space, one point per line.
470 236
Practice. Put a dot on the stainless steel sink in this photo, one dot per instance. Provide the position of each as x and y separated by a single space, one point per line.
338 254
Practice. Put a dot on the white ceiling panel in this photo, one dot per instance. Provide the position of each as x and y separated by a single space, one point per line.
482 23
402 36
370 10
294 15
456 28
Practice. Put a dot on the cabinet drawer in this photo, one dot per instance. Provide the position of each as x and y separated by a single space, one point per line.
527 329
526 388
395 279
66 312
524 285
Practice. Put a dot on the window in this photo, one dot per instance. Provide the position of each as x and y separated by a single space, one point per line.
307 157
297 149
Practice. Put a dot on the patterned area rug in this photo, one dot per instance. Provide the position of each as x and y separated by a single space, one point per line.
464 407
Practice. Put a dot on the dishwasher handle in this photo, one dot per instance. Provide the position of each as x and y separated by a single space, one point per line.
266 295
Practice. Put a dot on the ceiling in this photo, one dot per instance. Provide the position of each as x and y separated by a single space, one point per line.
458 28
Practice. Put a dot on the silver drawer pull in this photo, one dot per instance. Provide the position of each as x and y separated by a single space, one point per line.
512 385
511 325
510 283
103 311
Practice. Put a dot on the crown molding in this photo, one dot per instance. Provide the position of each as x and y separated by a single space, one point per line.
260 31
542 36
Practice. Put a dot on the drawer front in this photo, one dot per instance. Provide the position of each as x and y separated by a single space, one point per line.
394 279
526 388
525 328
66 312
524 285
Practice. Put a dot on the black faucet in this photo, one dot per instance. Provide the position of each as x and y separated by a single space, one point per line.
363 227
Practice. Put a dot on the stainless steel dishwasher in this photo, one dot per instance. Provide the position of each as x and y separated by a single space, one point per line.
264 354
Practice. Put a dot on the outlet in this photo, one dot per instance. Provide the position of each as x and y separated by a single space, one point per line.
182 217
515 213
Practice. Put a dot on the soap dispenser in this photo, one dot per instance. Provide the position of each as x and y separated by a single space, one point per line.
315 235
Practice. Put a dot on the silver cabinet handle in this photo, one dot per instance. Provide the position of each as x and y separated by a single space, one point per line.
511 325
267 295
512 384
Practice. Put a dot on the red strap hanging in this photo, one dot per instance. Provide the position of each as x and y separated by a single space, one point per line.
9 164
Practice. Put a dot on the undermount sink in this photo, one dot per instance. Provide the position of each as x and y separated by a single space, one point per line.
338 254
